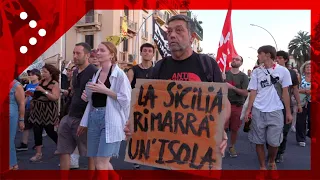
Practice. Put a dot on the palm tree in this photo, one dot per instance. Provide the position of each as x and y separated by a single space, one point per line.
299 47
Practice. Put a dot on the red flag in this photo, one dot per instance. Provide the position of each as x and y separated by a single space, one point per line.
226 49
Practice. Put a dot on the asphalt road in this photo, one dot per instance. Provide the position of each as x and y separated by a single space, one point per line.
296 157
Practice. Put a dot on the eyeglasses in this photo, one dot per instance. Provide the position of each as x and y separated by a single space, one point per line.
236 59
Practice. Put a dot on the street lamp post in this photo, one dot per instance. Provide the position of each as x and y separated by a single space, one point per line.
253 48
267 32
137 36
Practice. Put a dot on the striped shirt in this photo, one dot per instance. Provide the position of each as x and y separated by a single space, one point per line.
117 111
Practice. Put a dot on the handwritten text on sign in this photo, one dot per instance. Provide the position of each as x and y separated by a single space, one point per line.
177 125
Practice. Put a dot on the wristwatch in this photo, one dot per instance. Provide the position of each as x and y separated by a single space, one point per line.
46 93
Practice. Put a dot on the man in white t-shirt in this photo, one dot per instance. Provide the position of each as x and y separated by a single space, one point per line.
266 106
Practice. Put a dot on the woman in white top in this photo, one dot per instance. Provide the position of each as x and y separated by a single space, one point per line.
109 96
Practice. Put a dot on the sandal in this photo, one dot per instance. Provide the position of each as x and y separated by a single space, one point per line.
272 166
15 167
36 157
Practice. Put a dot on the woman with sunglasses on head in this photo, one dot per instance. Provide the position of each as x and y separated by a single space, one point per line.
93 58
44 112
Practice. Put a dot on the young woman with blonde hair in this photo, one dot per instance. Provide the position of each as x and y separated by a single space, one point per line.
109 96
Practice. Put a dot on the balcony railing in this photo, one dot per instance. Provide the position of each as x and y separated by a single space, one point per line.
199 30
92 19
161 17
133 26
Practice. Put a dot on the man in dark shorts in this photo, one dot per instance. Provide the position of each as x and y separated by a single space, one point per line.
68 139
144 69
237 82
184 64
283 60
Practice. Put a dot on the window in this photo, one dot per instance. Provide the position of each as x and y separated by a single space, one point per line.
125 45
90 40
90 17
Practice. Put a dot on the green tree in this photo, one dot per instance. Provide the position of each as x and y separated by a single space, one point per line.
299 47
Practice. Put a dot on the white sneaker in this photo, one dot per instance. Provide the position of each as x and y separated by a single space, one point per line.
302 144
74 161
44 133
293 129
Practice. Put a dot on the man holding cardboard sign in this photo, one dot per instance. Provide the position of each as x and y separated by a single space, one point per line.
169 114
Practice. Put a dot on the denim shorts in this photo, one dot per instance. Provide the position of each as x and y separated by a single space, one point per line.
96 143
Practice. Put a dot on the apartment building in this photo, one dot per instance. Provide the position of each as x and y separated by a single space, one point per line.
199 31
97 25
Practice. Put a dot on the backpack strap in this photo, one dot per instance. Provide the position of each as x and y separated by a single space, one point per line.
157 69
207 66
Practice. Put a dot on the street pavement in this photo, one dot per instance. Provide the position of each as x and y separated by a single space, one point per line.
296 157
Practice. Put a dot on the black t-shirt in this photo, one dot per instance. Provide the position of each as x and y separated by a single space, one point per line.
295 82
65 84
79 81
139 73
189 69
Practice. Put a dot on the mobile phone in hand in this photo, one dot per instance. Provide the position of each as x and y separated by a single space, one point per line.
29 93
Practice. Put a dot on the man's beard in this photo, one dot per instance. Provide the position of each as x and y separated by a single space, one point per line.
235 65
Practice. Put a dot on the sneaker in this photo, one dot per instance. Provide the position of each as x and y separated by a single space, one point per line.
302 144
293 129
232 152
22 147
279 158
36 157
44 133
74 161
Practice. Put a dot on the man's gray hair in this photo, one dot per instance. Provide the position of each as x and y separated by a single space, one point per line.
190 23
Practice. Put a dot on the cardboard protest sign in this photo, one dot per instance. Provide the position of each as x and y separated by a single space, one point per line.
177 125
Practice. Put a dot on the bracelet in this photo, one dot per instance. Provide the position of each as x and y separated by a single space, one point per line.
21 119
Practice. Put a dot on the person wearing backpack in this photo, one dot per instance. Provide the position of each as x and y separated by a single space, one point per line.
282 59
185 64
266 106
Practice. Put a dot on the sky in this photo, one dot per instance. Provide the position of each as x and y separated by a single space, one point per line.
282 24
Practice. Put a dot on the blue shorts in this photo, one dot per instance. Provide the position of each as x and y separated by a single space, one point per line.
96 141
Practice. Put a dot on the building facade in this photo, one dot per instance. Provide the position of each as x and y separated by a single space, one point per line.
97 25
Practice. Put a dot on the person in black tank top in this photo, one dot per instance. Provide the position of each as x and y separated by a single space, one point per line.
143 70
44 111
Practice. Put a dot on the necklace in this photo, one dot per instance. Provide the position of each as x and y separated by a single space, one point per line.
141 65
